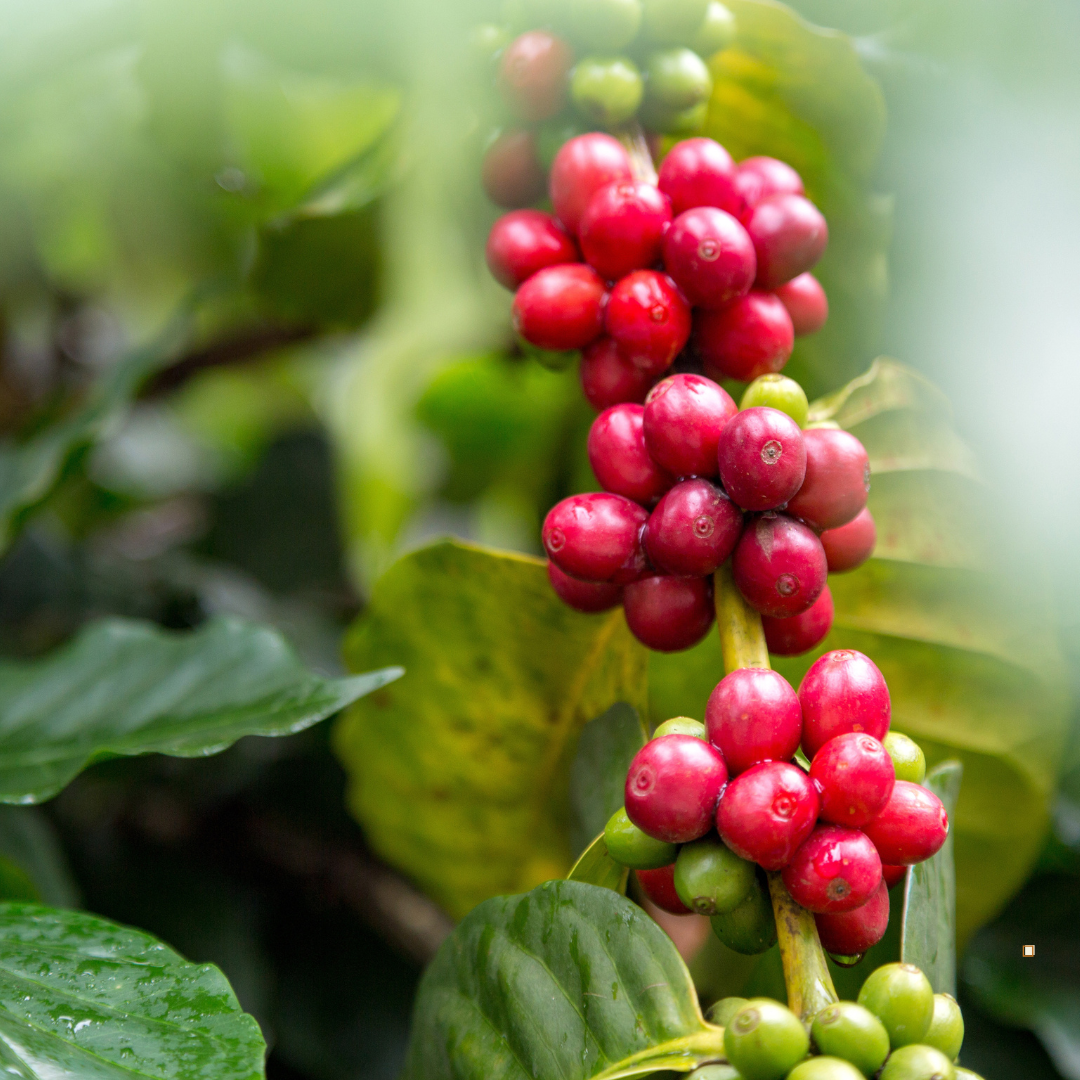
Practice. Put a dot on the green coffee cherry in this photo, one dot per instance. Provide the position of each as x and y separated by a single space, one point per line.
606 91
552 135
629 846
947 1027
679 122
676 79
765 1040
749 928
681 725
717 31
777 392
825 1068
710 878
714 1072
901 997
846 1030
673 22
723 1010
966 1074
605 25
907 757
918 1062
487 39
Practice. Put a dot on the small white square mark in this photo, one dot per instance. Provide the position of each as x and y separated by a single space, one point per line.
1029 950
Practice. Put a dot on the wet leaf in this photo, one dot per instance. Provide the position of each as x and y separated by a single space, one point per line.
596 867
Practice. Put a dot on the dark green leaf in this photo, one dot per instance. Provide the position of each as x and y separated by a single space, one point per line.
596 867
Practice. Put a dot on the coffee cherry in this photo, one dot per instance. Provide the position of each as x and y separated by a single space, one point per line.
587 596
762 459
779 566
848 1031
710 878
714 1071
789 235
560 307
672 788
758 178
854 774
596 537
767 812
606 91
721 1012
901 997
849 546
752 336
605 25
892 875
749 928
852 933
618 457
716 32
629 846
806 303
765 1040
524 241
693 529
583 166
607 378
824 1068
681 725
800 633
918 1062
649 318
669 614
672 22
684 417
777 392
677 79
837 479
911 828
677 122
710 256
907 757
511 173
966 1074
532 75
753 715
659 887
700 172
834 870
622 227
843 691
946 1028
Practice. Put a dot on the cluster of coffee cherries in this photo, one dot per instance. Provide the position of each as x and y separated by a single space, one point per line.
709 807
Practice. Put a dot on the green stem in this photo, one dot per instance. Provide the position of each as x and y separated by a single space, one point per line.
742 640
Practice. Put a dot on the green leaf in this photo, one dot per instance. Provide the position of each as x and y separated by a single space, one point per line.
568 980
30 846
928 931
84 997
460 773
124 687
596 867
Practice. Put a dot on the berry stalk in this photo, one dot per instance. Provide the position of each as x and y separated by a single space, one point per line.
641 163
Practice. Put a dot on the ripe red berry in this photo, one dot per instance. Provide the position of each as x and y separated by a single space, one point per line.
843 691
649 318
762 459
757 178
851 933
596 537
767 812
800 633
892 875
806 303
700 172
622 227
684 417
854 776
618 456
850 545
672 787
587 596
560 307
835 869
779 566
693 529
524 241
710 256
659 887
837 479
911 828
533 74
789 235
582 166
669 613
608 378
511 172
752 336
753 715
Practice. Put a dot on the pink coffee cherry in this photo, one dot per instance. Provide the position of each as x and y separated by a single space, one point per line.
854 775
710 256
837 479
669 613
511 173
843 691
532 76
524 241
693 529
659 887
587 596
596 537
753 715
582 166
560 307
749 337
672 788
849 546
622 227
892 875
684 417
759 178
779 566
608 378
767 812
789 235
806 303
800 633
851 933
911 828
700 172
649 318
835 869
762 458
618 457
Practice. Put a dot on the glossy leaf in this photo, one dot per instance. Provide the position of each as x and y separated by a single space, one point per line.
595 866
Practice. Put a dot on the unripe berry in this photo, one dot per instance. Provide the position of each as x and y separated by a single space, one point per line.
912 826
835 869
806 303
716 32
837 479
765 1040
758 178
560 307
824 1068
777 392
681 725
752 336
946 1028
511 173
849 546
532 75
893 875
918 1062
721 1012
753 715
659 887
749 928
779 566
762 459
710 878
789 235
700 172
800 633
629 846
649 318
684 417
843 691
710 256
583 166
854 776
606 90
524 241
669 614
608 378
671 22
587 596
622 227
846 1030
676 78
605 25
596 537
907 757
693 529
618 457
901 997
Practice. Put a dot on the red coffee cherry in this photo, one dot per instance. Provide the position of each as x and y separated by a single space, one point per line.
837 479
560 307
619 459
789 235
849 546
581 167
758 178
892 875
533 73
672 788
835 869
608 378
767 812
684 417
854 776
649 318
669 613
753 715
511 173
596 537
700 172
851 933
524 241
779 566
710 256
587 596
693 529
800 633
843 691
622 227
752 336
806 303
659 887
762 459
911 828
